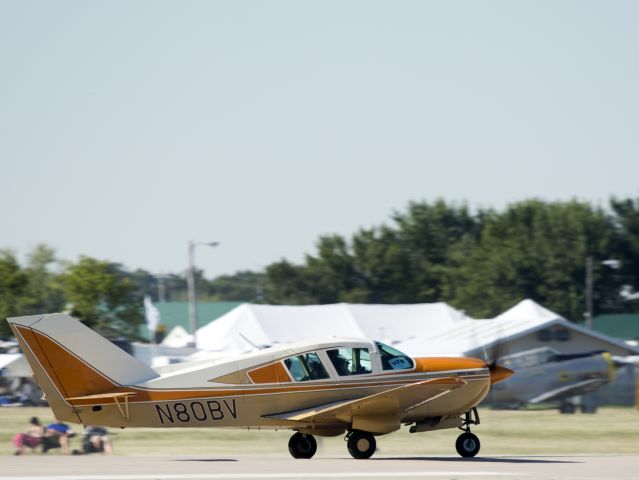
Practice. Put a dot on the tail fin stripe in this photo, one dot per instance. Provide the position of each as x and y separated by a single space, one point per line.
34 346
73 377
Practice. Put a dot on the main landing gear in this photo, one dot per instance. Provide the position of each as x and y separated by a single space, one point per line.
302 446
467 444
360 444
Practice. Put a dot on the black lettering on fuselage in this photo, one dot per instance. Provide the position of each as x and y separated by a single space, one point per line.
162 413
181 413
202 411
215 409
232 411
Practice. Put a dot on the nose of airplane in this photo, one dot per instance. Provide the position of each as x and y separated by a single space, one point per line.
498 373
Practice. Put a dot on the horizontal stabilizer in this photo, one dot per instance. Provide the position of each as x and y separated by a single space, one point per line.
103 396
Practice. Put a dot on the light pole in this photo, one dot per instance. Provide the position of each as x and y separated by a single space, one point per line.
589 285
161 287
190 287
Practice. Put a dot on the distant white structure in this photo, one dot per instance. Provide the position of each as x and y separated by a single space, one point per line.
250 326
178 337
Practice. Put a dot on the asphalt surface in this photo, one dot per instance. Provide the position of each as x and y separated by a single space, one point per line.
231 467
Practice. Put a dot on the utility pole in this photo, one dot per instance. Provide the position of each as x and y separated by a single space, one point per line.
589 281
190 288
161 288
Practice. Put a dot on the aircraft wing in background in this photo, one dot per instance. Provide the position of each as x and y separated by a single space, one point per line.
569 390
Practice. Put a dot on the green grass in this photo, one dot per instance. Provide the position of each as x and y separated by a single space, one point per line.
610 431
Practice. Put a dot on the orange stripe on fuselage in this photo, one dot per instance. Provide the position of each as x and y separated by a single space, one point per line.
441 364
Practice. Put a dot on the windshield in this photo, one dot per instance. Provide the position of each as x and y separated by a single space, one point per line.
393 359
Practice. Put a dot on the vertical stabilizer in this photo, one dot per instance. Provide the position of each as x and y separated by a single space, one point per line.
71 360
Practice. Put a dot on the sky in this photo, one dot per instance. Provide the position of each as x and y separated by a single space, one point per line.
129 128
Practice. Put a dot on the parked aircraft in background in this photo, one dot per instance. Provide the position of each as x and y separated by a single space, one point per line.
544 375
324 388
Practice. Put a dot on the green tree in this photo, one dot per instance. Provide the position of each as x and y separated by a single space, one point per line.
429 233
402 263
626 218
103 296
13 288
532 250
43 292
288 284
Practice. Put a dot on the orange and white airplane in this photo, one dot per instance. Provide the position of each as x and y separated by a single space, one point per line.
325 388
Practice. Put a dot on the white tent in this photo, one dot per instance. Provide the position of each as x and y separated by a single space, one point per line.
251 326
177 338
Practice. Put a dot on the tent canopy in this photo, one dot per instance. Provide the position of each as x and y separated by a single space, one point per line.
249 325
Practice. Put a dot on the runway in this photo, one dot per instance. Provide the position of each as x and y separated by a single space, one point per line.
322 467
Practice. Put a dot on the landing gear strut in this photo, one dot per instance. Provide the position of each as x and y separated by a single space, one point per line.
467 444
302 446
360 444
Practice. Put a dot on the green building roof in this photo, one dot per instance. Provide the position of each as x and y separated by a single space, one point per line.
173 314
620 325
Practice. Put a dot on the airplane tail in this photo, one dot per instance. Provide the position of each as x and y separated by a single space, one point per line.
70 360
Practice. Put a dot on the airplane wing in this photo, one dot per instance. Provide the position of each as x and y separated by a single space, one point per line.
569 390
394 402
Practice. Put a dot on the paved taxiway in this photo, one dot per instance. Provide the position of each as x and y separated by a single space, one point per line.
322 467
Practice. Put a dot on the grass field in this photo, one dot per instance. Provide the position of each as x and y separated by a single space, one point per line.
610 431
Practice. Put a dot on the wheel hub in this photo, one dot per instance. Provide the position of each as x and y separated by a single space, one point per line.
363 444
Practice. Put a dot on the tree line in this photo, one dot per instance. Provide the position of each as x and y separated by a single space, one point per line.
481 261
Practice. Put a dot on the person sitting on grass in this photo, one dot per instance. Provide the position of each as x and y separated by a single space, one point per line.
31 438
57 434
96 440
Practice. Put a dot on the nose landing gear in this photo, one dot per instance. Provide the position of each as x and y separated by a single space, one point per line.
467 444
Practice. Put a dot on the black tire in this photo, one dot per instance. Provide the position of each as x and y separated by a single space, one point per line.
302 446
567 408
467 445
361 445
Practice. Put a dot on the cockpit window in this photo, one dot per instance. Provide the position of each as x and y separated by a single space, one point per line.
393 359
351 361
306 367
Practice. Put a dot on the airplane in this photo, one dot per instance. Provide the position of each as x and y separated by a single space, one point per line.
544 375
323 388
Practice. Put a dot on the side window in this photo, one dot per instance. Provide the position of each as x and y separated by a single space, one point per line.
306 367
350 361
393 359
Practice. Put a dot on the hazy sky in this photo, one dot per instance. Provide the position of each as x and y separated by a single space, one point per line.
128 128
